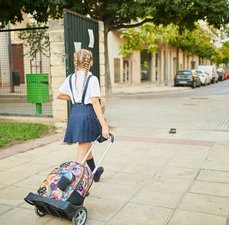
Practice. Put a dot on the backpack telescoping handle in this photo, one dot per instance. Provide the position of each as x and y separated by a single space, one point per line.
104 154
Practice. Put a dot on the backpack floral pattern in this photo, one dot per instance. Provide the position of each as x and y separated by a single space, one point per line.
80 179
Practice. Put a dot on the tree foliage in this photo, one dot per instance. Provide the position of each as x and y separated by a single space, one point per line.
193 42
36 40
225 52
118 14
148 36
121 13
196 42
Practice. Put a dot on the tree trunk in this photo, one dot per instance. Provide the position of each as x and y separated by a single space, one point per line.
166 64
108 89
178 61
41 69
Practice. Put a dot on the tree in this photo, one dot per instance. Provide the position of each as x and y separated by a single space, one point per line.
36 40
196 42
149 36
118 14
225 53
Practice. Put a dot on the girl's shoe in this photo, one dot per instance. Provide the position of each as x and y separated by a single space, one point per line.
98 174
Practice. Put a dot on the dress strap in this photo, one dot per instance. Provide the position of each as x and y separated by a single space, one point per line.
85 89
70 85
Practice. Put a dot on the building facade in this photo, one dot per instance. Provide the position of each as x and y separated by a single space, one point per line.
158 68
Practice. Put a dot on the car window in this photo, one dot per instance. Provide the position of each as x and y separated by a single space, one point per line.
184 73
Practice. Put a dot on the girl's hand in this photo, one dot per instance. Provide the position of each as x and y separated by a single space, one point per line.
105 132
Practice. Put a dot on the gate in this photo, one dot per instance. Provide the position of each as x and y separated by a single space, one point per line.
80 32
16 62
84 31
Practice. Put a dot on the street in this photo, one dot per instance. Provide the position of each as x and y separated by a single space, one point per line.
151 177
202 111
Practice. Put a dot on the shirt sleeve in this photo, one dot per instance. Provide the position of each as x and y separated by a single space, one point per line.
94 87
64 88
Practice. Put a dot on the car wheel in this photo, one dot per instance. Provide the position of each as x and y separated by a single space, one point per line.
194 84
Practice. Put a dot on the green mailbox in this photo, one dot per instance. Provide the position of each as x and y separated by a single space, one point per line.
37 89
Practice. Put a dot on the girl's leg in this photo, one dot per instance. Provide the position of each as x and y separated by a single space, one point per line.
91 165
82 150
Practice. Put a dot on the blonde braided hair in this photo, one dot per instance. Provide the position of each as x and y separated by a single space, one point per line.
82 60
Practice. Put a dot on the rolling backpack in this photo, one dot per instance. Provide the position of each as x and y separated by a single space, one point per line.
69 182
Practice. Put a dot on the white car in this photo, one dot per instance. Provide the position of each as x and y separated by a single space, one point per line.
204 77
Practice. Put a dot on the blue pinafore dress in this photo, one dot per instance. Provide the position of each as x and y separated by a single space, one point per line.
83 124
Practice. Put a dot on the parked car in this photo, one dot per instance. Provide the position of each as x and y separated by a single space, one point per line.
187 78
226 74
204 77
221 74
211 70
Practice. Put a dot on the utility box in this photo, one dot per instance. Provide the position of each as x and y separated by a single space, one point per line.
37 89
16 78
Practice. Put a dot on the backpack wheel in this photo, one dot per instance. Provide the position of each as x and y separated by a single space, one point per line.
38 212
80 217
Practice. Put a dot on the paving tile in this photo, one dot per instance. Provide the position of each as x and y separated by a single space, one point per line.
190 152
220 154
168 184
136 214
101 209
182 217
147 167
52 220
156 198
213 176
11 162
111 191
13 195
216 165
32 182
9 178
128 179
205 204
20 216
177 172
114 166
4 208
30 168
186 163
210 188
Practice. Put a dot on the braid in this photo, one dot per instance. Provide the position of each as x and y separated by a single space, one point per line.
82 60
76 68
86 66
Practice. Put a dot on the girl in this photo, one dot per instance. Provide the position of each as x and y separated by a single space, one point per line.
86 121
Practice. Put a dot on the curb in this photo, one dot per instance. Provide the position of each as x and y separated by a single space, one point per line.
121 94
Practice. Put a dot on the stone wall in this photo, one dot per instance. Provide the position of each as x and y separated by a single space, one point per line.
58 67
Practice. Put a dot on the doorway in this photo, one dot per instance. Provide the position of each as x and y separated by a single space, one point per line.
145 66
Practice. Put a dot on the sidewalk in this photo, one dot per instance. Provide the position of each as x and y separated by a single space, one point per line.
151 177
146 88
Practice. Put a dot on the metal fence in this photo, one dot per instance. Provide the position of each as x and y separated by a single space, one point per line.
24 63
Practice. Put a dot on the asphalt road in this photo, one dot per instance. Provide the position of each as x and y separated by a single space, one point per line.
201 113
220 88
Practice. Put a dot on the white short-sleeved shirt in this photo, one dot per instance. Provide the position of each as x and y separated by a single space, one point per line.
93 89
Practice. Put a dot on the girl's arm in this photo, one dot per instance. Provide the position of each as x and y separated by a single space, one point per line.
98 111
63 96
